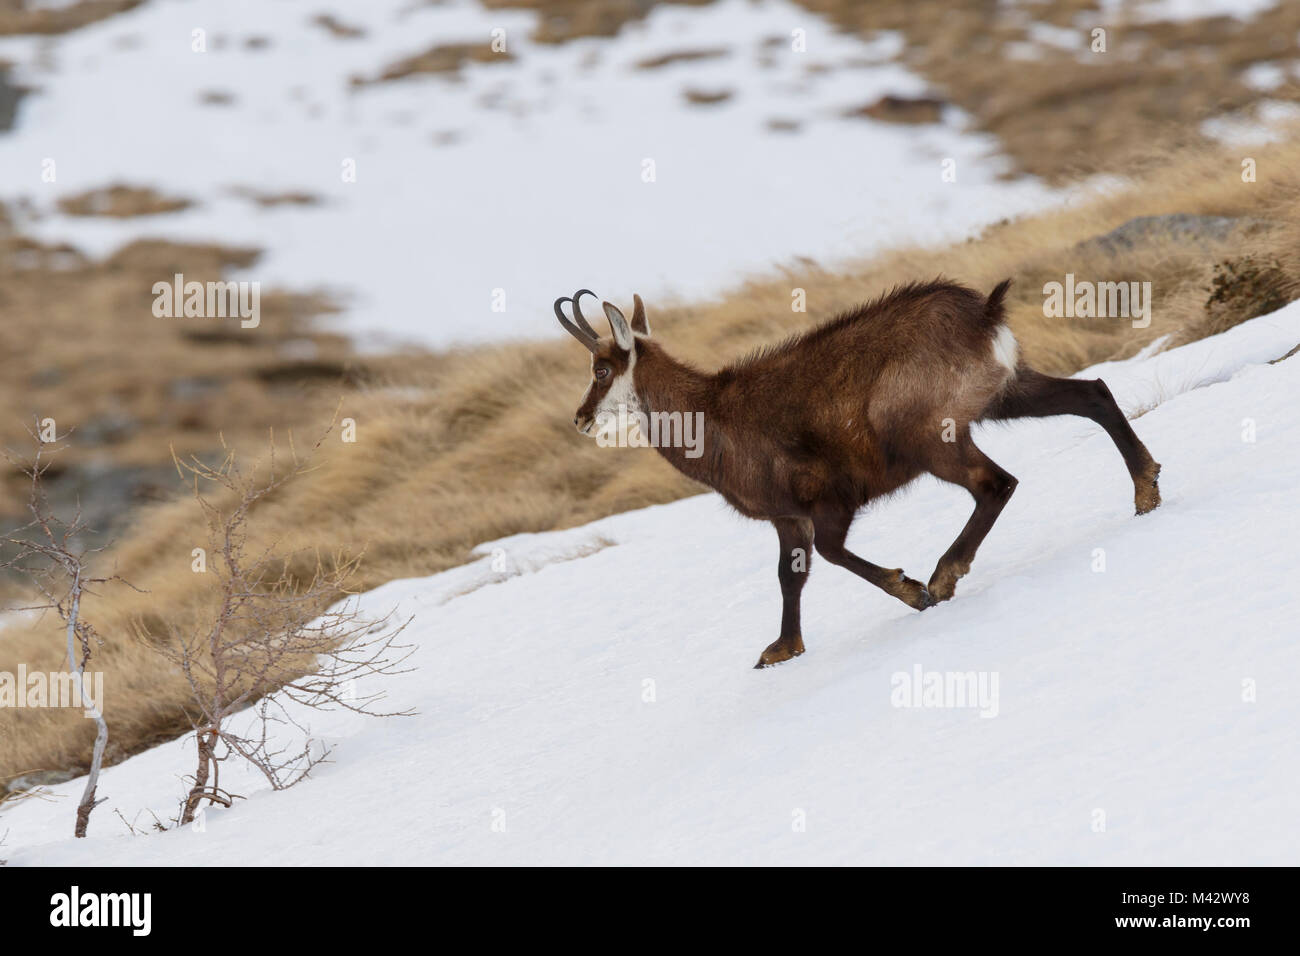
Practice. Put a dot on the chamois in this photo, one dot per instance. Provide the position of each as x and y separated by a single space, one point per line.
804 433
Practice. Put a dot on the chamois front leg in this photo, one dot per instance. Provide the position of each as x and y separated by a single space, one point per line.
831 527
796 535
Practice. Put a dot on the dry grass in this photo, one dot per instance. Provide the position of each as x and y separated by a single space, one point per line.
681 56
901 109
698 97
447 458
20 16
121 201
270 200
563 20
1061 113
83 347
442 58
337 28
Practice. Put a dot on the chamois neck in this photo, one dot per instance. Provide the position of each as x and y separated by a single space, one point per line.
670 388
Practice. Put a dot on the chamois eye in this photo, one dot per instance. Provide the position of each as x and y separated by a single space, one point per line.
601 373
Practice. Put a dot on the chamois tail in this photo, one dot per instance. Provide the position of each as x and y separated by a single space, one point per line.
995 308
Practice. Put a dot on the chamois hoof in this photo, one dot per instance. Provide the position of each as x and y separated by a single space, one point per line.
1147 497
778 651
943 585
913 593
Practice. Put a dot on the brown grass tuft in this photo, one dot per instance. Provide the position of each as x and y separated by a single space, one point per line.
121 201
17 17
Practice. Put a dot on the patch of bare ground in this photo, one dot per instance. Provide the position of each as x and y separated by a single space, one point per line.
217 98
82 346
698 97
22 17
121 201
443 58
659 61
337 28
563 20
269 200
910 110
1058 108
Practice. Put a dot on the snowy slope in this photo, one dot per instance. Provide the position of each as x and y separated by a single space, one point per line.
1119 693
523 176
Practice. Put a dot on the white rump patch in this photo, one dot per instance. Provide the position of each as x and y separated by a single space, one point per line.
1006 351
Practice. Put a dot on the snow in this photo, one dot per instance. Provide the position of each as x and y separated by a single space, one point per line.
587 696
1264 76
541 191
1268 121
1151 11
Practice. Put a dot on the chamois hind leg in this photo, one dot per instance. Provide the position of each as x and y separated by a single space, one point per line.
1035 395
796 536
991 487
831 527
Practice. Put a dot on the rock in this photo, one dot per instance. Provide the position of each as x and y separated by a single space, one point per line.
1189 228
40 778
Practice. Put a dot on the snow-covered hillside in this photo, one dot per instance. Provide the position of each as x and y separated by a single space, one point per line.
596 702
452 204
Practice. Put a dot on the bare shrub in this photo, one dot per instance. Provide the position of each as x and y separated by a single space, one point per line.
286 631
47 552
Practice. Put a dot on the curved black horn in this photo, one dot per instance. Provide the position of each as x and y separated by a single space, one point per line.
577 312
587 338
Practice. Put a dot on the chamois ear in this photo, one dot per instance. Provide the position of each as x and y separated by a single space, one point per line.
640 325
618 324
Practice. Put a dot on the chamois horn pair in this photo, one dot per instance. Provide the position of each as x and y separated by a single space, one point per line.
582 331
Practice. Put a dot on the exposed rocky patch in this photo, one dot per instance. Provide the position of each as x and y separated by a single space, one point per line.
1183 228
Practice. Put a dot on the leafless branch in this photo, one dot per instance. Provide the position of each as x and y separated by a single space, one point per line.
48 553
284 621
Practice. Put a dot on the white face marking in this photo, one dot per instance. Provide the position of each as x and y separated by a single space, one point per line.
1006 351
622 392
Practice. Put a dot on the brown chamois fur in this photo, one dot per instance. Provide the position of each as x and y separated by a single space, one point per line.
804 433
